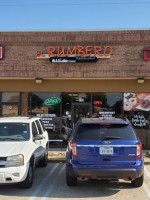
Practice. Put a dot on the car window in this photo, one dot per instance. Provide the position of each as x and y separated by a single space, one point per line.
39 127
34 130
14 131
102 132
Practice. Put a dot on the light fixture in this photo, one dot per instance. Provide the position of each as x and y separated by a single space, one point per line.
140 80
38 80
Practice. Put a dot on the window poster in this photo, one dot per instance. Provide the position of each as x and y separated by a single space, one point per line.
136 101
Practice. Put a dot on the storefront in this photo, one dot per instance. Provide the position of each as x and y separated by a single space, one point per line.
62 76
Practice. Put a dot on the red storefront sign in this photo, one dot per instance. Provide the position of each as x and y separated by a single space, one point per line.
77 51
146 53
97 102
1 52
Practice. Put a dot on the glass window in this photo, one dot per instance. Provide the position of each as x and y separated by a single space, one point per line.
10 96
102 132
107 104
10 110
46 105
14 131
34 130
81 97
66 110
39 127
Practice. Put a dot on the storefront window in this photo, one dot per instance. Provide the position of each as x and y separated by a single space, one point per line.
81 97
106 104
137 110
10 103
66 110
47 106
10 96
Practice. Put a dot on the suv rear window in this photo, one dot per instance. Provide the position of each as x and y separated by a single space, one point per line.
104 132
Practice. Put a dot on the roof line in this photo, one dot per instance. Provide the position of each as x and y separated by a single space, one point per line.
72 30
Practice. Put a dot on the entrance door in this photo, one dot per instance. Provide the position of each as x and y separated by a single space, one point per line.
80 110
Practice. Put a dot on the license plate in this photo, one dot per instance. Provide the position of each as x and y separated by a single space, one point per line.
106 150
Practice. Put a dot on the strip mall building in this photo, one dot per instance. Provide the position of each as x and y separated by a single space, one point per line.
61 76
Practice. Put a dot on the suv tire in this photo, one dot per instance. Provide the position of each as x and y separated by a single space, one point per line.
70 180
27 183
138 182
43 162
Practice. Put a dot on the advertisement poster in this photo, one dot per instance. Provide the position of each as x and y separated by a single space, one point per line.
136 101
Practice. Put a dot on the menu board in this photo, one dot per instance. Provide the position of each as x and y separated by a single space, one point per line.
136 101
47 120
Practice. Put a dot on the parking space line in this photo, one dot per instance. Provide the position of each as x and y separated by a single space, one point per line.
145 186
146 189
147 172
49 189
33 196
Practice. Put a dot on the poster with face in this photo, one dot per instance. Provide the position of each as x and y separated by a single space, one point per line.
136 101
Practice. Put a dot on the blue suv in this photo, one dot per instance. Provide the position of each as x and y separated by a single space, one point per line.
104 148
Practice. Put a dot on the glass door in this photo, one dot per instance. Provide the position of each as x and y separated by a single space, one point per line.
80 111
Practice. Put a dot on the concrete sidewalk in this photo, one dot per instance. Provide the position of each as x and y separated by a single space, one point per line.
59 155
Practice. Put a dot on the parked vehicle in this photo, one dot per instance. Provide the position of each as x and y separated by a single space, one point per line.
23 145
104 148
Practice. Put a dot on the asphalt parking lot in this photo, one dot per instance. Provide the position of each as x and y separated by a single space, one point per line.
49 183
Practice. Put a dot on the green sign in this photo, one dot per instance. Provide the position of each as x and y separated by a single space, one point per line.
52 101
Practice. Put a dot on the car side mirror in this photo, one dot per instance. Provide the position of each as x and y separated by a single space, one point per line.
38 137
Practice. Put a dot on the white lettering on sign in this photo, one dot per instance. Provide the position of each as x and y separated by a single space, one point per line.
139 121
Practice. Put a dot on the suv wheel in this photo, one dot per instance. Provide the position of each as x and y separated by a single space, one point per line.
138 182
43 162
27 183
70 180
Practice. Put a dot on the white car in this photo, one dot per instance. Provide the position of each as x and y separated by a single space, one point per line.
23 145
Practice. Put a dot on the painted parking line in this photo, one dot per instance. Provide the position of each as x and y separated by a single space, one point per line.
33 196
146 172
50 188
145 186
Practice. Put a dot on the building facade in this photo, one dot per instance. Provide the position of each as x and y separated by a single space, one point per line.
61 76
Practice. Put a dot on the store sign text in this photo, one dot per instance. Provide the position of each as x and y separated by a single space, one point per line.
1 52
76 50
52 101
139 121
146 53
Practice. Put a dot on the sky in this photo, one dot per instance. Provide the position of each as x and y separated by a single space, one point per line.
74 14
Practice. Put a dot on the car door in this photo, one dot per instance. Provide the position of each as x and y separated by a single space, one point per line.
37 143
43 140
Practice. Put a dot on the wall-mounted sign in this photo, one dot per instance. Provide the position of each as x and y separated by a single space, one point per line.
75 54
52 101
1 52
146 53
72 59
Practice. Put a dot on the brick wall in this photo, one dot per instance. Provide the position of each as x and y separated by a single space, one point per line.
126 59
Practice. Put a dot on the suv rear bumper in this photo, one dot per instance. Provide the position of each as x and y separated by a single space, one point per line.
126 174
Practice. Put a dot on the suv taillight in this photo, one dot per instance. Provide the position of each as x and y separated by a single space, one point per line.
73 148
138 149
